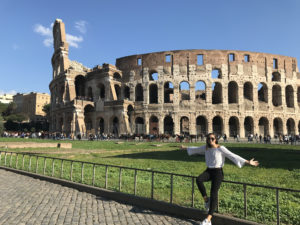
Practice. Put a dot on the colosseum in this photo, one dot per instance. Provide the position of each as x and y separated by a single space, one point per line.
175 92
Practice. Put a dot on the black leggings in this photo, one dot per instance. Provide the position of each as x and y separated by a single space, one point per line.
216 176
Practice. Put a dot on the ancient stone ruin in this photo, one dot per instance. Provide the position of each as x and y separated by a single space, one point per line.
175 92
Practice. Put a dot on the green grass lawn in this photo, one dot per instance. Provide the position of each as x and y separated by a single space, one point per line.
279 166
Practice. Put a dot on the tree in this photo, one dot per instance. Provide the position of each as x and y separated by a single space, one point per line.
11 108
1 125
46 110
3 107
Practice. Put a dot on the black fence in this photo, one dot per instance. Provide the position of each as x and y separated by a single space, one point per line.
96 174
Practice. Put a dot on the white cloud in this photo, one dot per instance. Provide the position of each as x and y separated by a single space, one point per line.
81 26
47 33
73 40
11 92
44 31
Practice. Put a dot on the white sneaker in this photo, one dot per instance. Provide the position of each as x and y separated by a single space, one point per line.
205 222
207 204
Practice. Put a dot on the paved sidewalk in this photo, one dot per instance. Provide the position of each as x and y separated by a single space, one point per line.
28 201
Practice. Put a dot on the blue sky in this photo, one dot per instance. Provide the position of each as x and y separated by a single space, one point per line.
101 31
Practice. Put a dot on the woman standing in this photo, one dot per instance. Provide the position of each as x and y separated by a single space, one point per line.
214 158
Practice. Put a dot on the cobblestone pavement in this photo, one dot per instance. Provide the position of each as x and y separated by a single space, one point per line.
28 201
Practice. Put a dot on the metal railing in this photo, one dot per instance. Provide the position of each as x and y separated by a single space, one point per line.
23 161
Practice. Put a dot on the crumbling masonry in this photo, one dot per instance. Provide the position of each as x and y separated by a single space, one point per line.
174 92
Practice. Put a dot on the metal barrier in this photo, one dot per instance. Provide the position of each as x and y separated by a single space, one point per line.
14 156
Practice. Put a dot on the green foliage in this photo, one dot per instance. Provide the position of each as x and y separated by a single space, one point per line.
16 118
10 109
1 125
3 107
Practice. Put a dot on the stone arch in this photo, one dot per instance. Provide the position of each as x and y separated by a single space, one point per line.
233 92
80 86
217 96
101 125
153 75
130 112
248 91
234 127
216 73
201 125
101 88
276 95
115 126
90 94
139 95
290 126
277 126
168 125
88 114
117 76
184 90
154 125
289 96
184 125
276 76
298 95
168 92
218 125
200 91
262 92
118 91
248 126
153 94
263 125
126 92
139 125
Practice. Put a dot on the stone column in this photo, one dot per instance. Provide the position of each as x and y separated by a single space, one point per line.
242 127
192 124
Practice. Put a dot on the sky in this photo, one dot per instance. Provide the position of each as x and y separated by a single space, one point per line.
100 31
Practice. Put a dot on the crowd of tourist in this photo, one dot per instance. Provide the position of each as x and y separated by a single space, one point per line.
281 139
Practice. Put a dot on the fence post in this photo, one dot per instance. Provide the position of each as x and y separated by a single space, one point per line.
5 158
82 168
171 191
152 185
0 157
37 164
10 160
62 168
277 204
71 171
193 191
106 172
16 160
23 161
52 174
135 180
29 166
120 179
44 169
94 170
245 200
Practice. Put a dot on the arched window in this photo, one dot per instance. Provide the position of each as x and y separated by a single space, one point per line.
117 76
248 91
277 127
276 95
118 91
101 88
233 92
289 95
139 125
184 89
217 96
249 126
80 86
201 125
218 125
153 94
168 125
153 125
234 127
184 125
153 75
216 74
276 76
290 126
90 94
200 91
168 92
139 95
126 92
263 126
262 92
